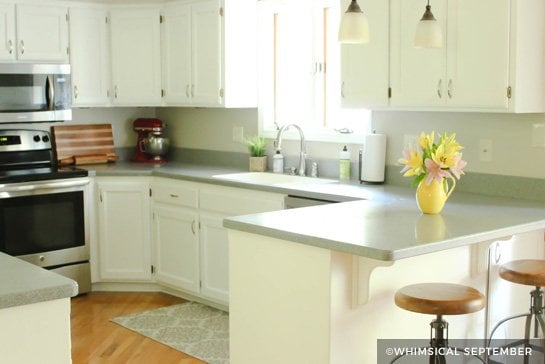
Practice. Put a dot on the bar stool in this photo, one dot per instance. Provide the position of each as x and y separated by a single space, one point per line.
439 299
529 273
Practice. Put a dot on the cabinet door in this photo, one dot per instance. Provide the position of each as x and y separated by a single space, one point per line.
417 75
124 231
136 59
478 53
206 40
89 57
7 32
42 33
177 247
364 67
214 258
176 44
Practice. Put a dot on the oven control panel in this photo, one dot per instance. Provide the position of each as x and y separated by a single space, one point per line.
17 140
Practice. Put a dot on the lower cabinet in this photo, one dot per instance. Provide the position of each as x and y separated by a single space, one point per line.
123 229
175 237
191 246
176 243
214 257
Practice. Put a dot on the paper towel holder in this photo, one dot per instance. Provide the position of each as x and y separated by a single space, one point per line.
377 172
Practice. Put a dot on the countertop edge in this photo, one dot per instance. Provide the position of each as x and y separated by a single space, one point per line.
27 283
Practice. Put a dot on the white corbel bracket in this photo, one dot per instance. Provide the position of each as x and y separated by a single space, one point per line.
362 269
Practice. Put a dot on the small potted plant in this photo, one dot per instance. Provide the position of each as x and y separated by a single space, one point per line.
258 159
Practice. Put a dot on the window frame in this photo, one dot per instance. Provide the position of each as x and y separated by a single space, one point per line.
266 108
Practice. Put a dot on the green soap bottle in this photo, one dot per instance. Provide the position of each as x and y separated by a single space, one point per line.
344 164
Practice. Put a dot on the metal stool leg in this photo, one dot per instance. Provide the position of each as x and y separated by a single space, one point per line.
535 314
439 338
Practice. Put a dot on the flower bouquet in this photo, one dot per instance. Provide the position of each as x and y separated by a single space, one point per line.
432 164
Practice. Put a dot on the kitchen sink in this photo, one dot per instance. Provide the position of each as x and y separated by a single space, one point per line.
274 179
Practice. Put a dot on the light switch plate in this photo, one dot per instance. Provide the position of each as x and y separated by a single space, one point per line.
538 135
238 134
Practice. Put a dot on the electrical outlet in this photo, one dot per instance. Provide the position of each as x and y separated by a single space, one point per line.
538 135
485 150
410 140
238 134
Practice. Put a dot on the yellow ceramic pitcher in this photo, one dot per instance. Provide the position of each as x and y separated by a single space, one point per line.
431 198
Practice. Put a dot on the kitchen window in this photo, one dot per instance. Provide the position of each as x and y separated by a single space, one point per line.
300 71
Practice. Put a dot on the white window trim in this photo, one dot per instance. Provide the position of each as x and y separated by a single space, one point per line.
265 95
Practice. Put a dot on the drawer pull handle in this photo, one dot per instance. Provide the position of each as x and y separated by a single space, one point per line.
174 196
193 227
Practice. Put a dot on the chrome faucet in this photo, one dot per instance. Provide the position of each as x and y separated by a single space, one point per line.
303 149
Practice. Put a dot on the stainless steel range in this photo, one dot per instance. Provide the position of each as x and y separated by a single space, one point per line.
43 207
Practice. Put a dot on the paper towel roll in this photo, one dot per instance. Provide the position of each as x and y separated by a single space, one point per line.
373 158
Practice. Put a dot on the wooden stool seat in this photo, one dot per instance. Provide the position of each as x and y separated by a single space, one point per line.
528 272
440 299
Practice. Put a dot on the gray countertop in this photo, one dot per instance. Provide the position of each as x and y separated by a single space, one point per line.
23 283
339 192
386 225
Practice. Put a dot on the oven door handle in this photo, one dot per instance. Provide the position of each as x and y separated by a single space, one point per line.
43 186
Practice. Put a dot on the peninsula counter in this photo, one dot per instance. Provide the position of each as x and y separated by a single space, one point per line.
316 285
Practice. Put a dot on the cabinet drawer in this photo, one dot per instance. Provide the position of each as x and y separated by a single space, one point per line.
175 194
233 201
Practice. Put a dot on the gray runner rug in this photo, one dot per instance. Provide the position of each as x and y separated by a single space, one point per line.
193 328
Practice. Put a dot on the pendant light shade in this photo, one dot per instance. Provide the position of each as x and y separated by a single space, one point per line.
428 32
354 26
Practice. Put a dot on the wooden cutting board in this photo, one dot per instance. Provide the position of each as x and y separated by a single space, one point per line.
76 142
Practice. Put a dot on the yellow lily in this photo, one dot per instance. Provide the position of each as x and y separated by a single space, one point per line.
412 159
426 141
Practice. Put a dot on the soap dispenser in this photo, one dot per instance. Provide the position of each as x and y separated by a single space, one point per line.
278 162
344 164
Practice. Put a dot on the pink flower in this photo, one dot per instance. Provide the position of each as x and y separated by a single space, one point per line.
434 171
456 169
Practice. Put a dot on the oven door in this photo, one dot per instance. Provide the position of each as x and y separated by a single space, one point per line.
45 222
30 92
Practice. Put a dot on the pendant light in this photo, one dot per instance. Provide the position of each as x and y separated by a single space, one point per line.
428 32
354 26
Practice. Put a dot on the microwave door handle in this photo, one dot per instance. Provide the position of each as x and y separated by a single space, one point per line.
49 92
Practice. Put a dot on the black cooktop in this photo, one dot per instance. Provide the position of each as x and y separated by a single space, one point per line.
17 175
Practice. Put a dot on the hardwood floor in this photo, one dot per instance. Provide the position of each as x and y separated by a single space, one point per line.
97 340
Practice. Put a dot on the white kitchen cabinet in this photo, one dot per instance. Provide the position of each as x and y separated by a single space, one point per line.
214 257
175 234
364 67
135 55
209 53
33 33
191 247
176 54
480 62
216 203
176 243
124 246
7 32
89 56
42 33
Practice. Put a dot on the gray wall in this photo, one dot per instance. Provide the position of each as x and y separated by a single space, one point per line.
511 135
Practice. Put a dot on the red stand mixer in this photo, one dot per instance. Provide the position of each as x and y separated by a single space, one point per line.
151 146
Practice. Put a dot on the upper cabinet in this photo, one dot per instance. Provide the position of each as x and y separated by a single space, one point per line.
364 67
7 32
209 53
135 55
33 33
470 71
491 60
89 56
192 54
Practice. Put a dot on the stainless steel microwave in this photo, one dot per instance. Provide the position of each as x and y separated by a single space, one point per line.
34 92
